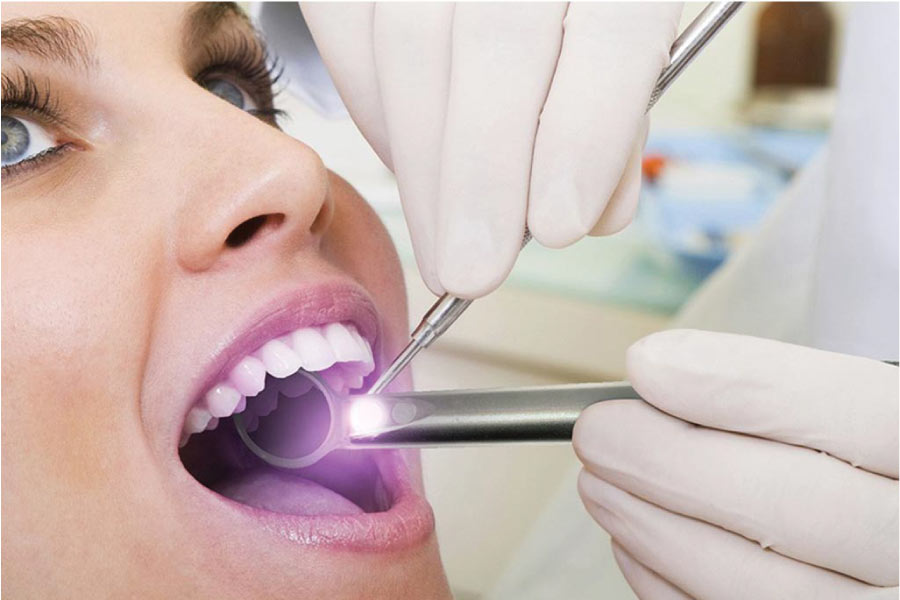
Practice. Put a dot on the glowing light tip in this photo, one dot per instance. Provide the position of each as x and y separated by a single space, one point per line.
366 416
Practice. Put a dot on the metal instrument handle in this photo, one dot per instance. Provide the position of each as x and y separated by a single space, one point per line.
531 414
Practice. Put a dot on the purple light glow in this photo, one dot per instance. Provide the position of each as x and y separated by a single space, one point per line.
366 416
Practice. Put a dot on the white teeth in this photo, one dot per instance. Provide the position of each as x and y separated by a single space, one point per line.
197 420
248 376
222 400
353 380
369 357
357 370
337 351
344 344
314 350
294 387
335 380
266 401
279 359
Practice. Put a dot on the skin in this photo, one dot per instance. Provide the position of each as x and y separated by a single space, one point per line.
118 281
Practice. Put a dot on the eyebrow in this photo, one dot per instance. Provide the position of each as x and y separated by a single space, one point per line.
204 18
51 38
70 42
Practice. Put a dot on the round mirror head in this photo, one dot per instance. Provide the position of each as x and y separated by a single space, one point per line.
292 423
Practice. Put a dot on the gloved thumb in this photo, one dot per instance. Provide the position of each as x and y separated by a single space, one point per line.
846 406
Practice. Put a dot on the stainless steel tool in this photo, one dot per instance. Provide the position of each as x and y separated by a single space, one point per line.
319 421
448 309
440 418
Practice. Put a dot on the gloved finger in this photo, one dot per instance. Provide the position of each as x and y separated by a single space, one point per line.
705 561
502 63
645 583
343 35
612 55
801 503
414 98
844 405
622 206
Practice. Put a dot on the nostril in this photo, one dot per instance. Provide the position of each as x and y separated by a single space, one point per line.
247 230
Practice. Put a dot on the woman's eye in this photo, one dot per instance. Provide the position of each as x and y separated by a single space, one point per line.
230 93
23 140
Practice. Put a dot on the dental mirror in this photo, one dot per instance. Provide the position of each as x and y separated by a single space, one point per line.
292 423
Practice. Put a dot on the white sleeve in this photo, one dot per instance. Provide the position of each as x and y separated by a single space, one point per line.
823 269
288 38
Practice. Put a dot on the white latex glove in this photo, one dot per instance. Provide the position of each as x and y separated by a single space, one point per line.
755 469
491 115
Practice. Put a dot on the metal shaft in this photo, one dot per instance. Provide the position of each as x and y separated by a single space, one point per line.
447 309
485 416
693 39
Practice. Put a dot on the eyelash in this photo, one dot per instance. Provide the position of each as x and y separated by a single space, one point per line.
22 95
257 71
236 56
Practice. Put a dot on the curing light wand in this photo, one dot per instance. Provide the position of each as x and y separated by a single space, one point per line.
442 418
448 309
305 428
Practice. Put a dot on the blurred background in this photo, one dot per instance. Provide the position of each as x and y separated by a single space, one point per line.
725 141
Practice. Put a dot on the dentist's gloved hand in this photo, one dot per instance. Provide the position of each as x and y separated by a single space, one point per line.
494 115
756 469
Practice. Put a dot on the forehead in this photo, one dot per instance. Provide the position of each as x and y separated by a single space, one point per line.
124 32
119 14
115 28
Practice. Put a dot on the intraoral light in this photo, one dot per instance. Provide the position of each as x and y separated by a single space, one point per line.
323 421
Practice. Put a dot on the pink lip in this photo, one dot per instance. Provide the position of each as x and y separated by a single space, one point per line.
408 522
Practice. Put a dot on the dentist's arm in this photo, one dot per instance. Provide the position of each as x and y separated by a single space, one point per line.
755 469
494 116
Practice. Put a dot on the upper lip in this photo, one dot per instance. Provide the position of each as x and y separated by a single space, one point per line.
294 308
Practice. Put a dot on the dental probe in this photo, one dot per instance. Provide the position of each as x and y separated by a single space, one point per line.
447 309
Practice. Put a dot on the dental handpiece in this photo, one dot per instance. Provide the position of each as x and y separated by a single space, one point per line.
448 308
320 421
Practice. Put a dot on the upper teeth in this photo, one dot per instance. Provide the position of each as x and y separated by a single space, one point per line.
337 349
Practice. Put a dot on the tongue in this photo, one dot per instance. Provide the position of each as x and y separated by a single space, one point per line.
284 493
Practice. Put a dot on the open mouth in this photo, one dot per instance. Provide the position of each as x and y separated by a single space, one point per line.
262 387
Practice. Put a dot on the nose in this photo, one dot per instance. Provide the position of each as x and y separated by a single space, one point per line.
248 188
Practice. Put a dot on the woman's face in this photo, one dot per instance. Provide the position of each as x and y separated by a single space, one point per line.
157 233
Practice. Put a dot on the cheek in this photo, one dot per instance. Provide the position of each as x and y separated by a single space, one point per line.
358 243
74 325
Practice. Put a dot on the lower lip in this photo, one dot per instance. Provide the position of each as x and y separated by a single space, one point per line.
408 523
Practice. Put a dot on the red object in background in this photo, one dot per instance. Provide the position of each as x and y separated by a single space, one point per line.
652 166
